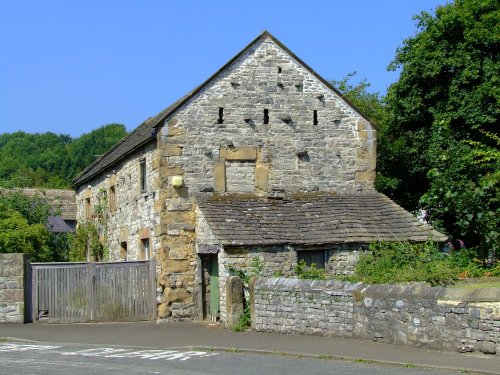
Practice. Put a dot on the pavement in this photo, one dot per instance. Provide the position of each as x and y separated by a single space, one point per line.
202 335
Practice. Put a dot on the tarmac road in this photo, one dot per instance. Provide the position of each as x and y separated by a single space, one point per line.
207 337
54 359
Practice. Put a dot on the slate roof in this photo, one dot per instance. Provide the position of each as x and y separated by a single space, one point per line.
142 135
56 224
312 219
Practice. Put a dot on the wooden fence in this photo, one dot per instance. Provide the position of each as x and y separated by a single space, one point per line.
84 292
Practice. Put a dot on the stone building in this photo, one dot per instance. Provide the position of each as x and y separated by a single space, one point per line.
265 160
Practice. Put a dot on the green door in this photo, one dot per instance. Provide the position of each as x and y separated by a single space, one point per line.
214 287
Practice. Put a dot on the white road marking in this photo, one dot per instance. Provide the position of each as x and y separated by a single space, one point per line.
107 352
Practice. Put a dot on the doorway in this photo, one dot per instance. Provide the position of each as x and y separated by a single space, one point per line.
210 286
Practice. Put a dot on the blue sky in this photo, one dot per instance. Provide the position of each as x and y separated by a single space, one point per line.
71 66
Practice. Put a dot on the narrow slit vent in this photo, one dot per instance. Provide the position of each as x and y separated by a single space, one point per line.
266 116
220 120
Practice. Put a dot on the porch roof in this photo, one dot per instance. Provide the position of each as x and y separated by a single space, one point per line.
312 219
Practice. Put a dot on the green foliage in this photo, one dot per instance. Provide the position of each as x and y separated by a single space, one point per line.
89 243
393 262
18 236
23 229
86 244
244 321
438 148
370 104
51 161
255 269
310 272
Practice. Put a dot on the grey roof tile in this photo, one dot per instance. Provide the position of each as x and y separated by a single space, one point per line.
309 219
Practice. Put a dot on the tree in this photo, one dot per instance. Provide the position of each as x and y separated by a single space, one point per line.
370 104
51 161
23 228
441 112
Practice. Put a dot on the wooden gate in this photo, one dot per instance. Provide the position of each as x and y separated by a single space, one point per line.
85 292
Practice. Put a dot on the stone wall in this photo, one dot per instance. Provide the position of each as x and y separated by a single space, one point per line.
12 280
415 314
134 217
338 153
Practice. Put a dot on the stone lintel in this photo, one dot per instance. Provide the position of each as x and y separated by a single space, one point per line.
144 233
208 249
240 153
123 234
112 180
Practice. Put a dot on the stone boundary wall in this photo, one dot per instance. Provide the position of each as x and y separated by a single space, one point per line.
12 269
455 319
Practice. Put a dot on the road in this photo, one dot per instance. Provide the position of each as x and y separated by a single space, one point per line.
23 358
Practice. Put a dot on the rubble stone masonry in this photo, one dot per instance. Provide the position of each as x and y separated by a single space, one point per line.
12 280
454 319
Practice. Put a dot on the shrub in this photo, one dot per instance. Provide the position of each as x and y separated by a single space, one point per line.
392 262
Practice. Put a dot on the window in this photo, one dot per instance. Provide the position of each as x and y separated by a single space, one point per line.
315 118
145 251
88 209
123 250
312 256
142 175
112 199
266 116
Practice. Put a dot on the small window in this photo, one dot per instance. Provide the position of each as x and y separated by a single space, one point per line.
112 199
145 251
220 120
266 116
142 171
315 118
88 209
123 251
312 256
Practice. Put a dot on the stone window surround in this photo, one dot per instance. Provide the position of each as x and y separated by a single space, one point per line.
144 237
112 194
143 185
88 204
123 239
242 154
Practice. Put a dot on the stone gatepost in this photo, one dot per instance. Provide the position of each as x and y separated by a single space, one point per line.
234 300
12 282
